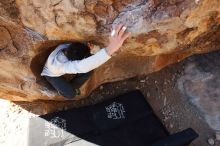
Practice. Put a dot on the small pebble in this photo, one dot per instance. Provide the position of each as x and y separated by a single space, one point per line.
211 141
137 88
101 87
165 101
165 118
142 81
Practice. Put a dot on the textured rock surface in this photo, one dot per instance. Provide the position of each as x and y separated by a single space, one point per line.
200 83
164 32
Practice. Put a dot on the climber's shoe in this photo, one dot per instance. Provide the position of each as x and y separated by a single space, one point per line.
77 91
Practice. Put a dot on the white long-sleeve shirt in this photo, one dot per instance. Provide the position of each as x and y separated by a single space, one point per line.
58 64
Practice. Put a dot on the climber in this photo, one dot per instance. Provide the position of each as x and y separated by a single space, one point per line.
75 58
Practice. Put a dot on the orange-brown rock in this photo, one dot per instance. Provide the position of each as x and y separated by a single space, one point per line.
163 32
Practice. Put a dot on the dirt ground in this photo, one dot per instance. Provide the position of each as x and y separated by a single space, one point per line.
160 90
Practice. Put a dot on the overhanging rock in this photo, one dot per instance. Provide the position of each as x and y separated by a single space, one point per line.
163 32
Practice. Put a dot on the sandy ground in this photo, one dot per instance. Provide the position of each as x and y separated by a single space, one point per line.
160 90
13 124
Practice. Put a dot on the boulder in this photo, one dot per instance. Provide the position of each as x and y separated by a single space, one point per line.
163 32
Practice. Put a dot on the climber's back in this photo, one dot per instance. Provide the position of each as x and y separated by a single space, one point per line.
75 58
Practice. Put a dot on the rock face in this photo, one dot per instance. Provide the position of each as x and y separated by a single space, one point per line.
163 32
200 84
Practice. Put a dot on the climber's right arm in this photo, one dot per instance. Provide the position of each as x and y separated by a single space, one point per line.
87 64
83 66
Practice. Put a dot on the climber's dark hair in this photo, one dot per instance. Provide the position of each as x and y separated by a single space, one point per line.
77 51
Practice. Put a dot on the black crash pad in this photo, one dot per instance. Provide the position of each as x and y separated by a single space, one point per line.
126 120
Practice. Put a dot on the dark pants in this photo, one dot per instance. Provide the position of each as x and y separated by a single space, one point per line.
68 89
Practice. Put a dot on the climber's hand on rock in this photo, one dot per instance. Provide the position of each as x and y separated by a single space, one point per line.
118 36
